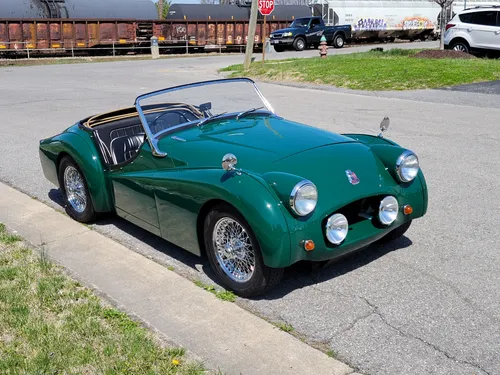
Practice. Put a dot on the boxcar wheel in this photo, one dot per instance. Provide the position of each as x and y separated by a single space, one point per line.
396 233
234 253
77 200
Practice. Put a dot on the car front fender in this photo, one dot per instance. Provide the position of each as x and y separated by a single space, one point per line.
184 194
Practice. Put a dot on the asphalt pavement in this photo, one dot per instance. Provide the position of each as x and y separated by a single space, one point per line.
426 304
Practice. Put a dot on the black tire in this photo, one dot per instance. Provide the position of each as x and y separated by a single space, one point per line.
460 45
87 214
279 48
396 233
262 279
299 44
339 41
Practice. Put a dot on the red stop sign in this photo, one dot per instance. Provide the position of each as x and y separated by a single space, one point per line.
266 7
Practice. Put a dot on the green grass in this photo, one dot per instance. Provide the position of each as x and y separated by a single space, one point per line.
224 295
394 69
50 324
285 327
7 238
331 353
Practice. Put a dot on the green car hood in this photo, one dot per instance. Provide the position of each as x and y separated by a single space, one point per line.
342 173
256 141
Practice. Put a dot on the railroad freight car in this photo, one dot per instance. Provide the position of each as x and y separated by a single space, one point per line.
67 26
390 19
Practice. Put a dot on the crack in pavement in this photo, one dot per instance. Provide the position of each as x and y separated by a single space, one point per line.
376 310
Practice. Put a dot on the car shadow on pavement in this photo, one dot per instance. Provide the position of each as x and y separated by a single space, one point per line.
304 274
297 276
147 238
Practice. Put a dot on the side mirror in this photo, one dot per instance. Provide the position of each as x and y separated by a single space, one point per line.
228 162
384 125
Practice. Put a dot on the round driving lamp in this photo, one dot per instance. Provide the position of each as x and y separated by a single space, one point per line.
388 210
407 166
336 229
303 198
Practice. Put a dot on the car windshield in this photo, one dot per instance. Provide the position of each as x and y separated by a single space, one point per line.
300 22
200 103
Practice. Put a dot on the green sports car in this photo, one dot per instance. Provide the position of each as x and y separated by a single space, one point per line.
210 167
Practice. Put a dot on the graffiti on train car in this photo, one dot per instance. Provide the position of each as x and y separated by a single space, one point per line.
416 23
370 24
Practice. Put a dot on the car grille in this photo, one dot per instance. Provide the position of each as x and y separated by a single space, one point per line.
276 36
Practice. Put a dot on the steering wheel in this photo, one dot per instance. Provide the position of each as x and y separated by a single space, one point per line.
163 124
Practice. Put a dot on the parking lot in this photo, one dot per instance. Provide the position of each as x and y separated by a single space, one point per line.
426 304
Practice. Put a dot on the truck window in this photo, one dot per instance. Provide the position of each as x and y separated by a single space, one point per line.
315 22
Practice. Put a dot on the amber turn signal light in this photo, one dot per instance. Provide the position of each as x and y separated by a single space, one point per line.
309 245
408 209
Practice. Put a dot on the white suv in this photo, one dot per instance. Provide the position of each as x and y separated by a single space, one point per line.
474 30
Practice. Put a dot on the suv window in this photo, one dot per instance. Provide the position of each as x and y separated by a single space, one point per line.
486 18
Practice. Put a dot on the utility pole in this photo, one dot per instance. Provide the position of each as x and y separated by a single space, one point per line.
251 34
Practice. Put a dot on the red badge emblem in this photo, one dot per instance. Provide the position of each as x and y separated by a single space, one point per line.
351 176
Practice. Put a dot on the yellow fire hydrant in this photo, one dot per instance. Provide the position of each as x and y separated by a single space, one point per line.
323 47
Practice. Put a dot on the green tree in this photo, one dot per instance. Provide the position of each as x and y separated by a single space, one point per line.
163 6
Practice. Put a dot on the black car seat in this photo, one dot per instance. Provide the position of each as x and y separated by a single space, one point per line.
125 147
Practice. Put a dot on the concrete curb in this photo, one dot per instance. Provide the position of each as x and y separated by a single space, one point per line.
226 336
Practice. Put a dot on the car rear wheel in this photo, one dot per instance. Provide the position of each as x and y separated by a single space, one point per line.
396 233
74 189
461 46
234 253
338 41
299 44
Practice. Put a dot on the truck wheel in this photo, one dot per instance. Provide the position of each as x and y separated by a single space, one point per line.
338 41
299 44
279 48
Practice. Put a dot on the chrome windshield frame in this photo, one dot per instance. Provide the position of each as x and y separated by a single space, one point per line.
153 141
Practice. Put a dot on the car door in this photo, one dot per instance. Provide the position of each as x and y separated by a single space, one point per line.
315 32
134 188
485 30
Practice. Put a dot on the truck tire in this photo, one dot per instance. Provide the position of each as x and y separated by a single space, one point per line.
299 44
279 48
338 41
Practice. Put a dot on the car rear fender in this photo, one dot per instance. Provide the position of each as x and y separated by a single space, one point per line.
78 145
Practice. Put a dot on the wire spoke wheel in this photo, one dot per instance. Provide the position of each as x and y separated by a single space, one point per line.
234 250
75 189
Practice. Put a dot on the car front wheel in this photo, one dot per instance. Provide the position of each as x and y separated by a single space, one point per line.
75 192
234 253
299 44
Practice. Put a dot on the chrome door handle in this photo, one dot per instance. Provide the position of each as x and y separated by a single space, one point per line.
497 32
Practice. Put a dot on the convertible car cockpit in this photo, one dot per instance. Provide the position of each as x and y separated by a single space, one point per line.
120 133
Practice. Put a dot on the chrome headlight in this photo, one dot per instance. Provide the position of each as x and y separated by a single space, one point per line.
407 166
388 210
303 198
336 228
288 33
